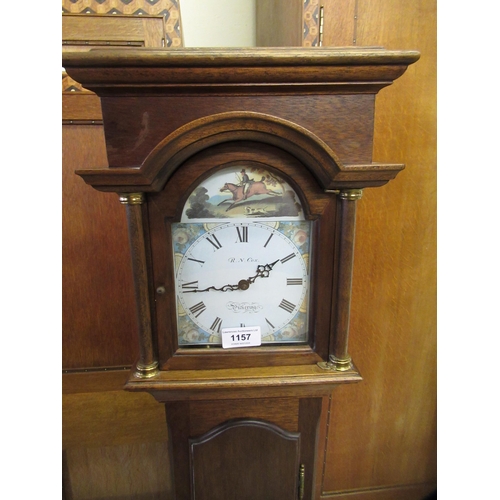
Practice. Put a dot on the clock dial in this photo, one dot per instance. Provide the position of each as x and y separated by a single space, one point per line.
242 274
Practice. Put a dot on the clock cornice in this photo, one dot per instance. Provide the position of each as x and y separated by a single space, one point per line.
112 71
153 121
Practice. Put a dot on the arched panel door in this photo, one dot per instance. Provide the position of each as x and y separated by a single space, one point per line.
245 459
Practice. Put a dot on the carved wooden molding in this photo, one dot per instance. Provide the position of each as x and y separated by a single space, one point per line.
267 427
69 85
131 72
278 381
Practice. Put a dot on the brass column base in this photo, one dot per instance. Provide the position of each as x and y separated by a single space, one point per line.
336 364
146 371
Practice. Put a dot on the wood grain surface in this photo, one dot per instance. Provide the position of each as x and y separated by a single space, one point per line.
83 32
99 324
115 443
382 432
102 459
111 418
278 23
340 22
168 9
257 460
121 472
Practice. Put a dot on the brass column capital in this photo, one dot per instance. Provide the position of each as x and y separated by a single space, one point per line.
351 194
132 198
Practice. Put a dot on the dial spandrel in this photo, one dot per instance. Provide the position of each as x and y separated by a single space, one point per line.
234 273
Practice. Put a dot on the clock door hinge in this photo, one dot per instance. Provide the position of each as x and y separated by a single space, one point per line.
321 22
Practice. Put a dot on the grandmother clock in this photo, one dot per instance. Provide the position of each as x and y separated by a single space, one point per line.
240 171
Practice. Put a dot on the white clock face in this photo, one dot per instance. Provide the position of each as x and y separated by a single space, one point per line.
242 274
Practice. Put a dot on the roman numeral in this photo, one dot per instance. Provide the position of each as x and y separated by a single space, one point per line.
198 308
269 323
215 243
216 325
287 306
287 258
188 287
294 281
196 260
242 234
268 240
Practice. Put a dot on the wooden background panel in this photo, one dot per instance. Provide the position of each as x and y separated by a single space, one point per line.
340 22
115 443
111 418
81 106
104 459
94 381
411 492
99 323
382 432
169 9
136 471
280 15
84 32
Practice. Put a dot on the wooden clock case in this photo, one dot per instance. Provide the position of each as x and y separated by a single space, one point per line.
173 118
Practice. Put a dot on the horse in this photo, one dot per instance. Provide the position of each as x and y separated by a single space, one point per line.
238 195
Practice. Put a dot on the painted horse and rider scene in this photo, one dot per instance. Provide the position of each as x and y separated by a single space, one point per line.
243 192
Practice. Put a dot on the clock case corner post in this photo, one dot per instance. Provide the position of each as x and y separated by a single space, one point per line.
136 211
338 357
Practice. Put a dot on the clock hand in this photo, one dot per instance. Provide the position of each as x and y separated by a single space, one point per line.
224 288
262 272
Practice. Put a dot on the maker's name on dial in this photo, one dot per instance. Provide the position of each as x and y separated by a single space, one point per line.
239 260
244 307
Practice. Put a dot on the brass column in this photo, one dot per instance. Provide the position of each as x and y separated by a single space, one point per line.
147 366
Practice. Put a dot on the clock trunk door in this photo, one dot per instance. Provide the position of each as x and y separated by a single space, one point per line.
245 460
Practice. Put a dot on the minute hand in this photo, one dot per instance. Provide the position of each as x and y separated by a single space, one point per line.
225 288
